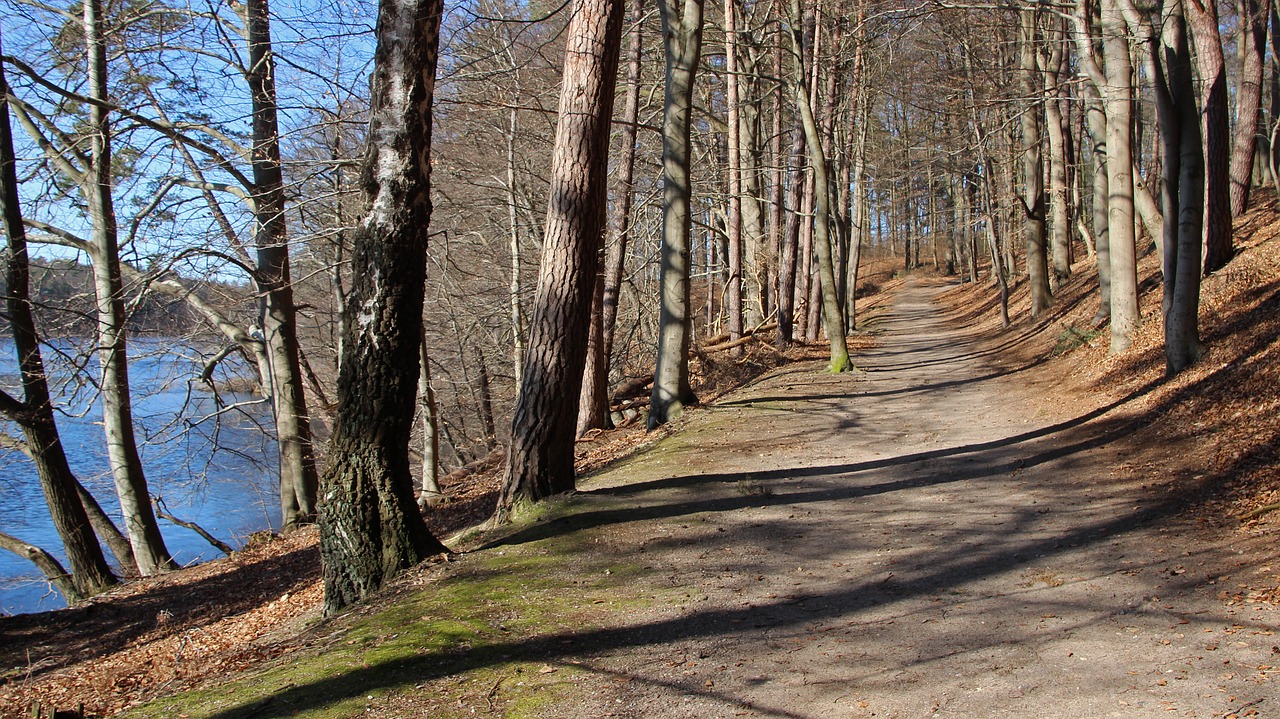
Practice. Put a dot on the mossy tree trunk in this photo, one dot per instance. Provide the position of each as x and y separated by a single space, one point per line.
540 459
370 525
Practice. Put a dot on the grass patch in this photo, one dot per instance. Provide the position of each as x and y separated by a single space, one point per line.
488 633
1072 338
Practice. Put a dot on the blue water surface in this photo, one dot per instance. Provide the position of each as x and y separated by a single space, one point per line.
218 469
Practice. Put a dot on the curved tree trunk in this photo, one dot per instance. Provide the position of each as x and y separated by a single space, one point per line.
117 411
370 526
832 318
682 40
90 573
540 459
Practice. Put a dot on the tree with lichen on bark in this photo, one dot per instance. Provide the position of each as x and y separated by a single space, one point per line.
370 526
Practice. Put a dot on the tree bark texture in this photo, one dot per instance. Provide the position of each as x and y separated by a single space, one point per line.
1253 45
1033 200
734 284
1120 219
682 42
1059 162
117 410
370 526
540 458
298 477
1202 17
832 318
1183 191
89 571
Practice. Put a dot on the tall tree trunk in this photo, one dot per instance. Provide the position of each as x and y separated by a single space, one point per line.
1253 45
370 526
429 495
1033 168
1059 137
540 459
34 413
513 249
117 411
733 285
682 42
832 318
1202 17
1120 218
298 477
777 198
1183 189
593 408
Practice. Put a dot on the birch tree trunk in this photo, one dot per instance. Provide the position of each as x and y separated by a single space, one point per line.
682 42
370 526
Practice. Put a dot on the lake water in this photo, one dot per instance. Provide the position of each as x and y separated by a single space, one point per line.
220 472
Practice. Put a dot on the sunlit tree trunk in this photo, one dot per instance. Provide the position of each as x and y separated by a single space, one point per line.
733 130
682 41
370 526
298 478
1183 189
1059 196
540 458
1120 218
117 411
429 494
1033 205
832 318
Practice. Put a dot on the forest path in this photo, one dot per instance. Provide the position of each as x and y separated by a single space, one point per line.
917 540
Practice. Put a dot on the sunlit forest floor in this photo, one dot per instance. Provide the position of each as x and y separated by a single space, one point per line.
1196 455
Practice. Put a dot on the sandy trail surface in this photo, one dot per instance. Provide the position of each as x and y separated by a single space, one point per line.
926 538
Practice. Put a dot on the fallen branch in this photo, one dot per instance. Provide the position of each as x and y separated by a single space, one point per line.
163 513
47 563
1258 512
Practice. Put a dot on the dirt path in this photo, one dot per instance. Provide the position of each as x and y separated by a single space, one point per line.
920 540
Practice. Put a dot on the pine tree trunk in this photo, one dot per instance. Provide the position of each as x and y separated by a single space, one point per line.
682 40
540 459
370 526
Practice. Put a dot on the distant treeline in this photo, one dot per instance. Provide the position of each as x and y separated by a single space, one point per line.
65 306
